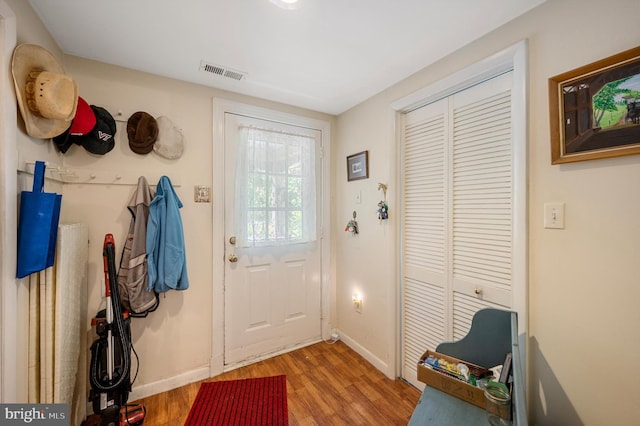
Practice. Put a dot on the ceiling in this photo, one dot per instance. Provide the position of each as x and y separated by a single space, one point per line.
326 55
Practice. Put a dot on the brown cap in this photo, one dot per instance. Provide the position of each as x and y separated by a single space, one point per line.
142 130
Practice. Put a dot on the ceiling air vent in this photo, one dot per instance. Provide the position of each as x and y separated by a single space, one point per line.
222 71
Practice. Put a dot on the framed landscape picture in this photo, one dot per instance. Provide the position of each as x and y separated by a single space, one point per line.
595 110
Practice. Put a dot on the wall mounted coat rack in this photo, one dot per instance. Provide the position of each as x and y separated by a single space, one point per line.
69 175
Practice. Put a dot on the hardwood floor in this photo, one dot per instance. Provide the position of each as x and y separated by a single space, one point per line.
327 384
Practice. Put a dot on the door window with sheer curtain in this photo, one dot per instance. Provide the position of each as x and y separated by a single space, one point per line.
275 187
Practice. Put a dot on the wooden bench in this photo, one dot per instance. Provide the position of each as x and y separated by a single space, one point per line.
493 334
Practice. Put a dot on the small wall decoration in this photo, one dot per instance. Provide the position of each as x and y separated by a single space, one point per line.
595 110
383 207
352 225
358 166
383 211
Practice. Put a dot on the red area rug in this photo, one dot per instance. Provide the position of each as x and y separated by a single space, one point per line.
244 402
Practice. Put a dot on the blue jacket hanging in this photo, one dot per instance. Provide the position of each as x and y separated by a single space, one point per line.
165 241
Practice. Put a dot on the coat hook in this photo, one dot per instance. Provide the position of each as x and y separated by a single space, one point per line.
384 189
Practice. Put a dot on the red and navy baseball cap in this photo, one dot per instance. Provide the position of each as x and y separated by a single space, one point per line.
83 122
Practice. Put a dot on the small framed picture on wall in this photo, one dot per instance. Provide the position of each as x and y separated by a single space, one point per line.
358 166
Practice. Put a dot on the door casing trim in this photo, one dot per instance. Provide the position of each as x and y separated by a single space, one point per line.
513 58
8 211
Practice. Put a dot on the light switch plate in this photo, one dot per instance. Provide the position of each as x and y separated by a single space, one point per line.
202 194
554 215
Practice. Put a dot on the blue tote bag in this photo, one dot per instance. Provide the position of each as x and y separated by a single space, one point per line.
37 226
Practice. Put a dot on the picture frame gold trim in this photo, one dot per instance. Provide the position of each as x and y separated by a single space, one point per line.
577 134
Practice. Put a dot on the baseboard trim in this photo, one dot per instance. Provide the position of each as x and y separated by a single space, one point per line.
168 384
164 385
366 354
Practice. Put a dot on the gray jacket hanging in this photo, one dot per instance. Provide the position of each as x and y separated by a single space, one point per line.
132 276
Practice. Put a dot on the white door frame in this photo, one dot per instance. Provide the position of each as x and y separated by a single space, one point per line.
8 211
514 59
220 107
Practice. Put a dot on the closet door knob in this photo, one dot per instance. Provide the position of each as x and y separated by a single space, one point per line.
478 291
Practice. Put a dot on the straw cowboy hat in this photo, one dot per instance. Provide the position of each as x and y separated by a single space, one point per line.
47 97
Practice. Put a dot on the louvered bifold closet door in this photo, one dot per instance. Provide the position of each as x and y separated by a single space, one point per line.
457 177
425 233
481 198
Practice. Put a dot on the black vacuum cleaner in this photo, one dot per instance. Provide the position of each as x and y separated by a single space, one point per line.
109 373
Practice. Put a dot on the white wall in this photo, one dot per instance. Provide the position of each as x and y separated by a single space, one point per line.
29 30
8 214
584 280
175 342
176 339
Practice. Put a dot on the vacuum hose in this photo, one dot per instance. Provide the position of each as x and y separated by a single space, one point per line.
109 383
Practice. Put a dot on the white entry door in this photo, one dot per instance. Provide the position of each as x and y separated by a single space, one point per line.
272 249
